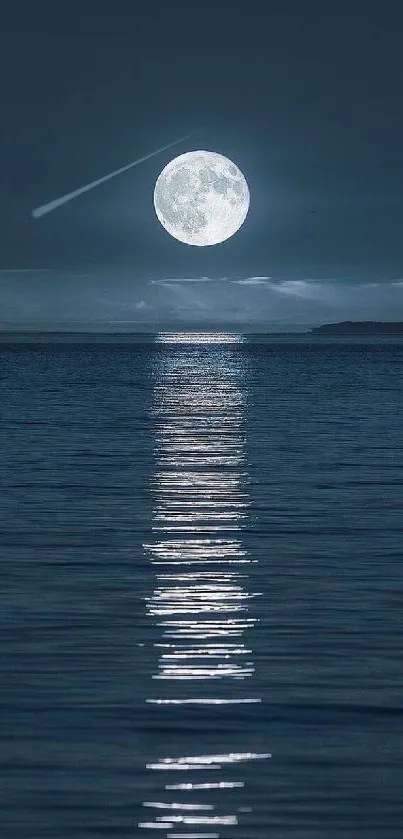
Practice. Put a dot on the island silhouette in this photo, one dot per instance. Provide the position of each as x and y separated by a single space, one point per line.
359 327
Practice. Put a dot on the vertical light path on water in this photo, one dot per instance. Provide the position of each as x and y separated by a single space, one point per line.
202 603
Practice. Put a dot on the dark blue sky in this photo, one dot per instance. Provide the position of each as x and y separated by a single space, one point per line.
305 97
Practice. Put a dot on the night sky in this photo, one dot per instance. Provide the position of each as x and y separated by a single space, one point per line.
305 97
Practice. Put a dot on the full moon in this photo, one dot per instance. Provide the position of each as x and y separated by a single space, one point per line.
201 198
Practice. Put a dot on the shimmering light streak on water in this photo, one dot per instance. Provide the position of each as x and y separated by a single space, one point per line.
219 785
199 338
201 602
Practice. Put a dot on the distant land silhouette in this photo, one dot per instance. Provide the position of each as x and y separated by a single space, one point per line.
359 327
99 332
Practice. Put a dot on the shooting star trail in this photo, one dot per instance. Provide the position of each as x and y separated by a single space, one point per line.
53 205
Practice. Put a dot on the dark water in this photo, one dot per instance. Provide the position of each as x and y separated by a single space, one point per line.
201 597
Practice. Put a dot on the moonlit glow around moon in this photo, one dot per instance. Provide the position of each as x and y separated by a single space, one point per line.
201 198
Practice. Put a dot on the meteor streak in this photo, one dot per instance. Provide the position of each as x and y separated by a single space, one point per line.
53 205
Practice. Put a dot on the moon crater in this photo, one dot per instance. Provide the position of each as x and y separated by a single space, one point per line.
201 198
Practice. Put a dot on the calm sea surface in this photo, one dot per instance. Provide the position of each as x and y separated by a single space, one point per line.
201 603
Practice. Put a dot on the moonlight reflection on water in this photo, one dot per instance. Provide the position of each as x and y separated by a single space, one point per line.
201 601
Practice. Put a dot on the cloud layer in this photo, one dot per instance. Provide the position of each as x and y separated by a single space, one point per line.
32 297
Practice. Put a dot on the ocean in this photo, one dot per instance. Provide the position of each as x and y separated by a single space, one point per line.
201 554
